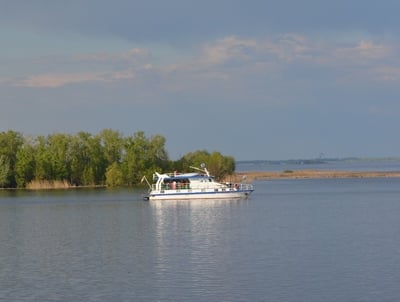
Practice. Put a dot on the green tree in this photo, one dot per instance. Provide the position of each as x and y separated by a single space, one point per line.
10 142
194 159
87 159
143 156
25 165
84 159
43 165
98 163
80 158
112 143
135 158
114 177
158 156
59 159
218 165
4 171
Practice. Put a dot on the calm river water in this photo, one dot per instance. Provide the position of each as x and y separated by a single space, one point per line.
293 240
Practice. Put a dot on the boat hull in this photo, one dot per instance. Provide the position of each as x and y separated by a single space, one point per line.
186 195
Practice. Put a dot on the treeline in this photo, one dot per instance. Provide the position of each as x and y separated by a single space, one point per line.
107 158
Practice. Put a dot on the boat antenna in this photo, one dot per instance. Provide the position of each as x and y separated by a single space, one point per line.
203 169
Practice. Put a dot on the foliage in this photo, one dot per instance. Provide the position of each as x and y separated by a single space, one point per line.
25 165
218 165
114 175
107 158
4 171
112 144
10 142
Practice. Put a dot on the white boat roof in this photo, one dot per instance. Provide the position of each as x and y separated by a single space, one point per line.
182 176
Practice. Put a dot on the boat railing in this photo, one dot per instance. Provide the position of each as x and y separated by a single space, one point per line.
183 186
246 187
169 186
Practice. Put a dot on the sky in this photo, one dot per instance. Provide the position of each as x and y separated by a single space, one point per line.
254 79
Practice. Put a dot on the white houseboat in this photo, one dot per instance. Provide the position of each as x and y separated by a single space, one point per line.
175 186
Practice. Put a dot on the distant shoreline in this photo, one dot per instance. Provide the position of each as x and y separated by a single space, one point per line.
310 174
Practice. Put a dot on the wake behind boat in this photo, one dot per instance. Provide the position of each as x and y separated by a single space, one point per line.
174 186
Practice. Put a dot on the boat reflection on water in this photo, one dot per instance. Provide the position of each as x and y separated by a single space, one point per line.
187 236
196 203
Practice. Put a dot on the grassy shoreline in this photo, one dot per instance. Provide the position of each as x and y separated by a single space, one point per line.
311 174
239 177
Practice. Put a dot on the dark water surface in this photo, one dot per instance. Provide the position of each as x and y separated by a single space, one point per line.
293 240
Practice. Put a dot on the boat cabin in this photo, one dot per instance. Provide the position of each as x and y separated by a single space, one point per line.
184 181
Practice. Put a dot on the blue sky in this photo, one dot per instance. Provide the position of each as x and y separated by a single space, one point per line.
252 79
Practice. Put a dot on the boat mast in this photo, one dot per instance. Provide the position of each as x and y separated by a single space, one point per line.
203 169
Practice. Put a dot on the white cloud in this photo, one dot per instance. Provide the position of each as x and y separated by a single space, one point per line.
387 73
222 60
58 80
132 56
362 51
229 49
289 47
97 67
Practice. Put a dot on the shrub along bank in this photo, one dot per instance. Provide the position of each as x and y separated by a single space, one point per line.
83 159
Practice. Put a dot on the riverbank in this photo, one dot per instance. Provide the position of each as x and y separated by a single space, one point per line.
312 174
246 176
